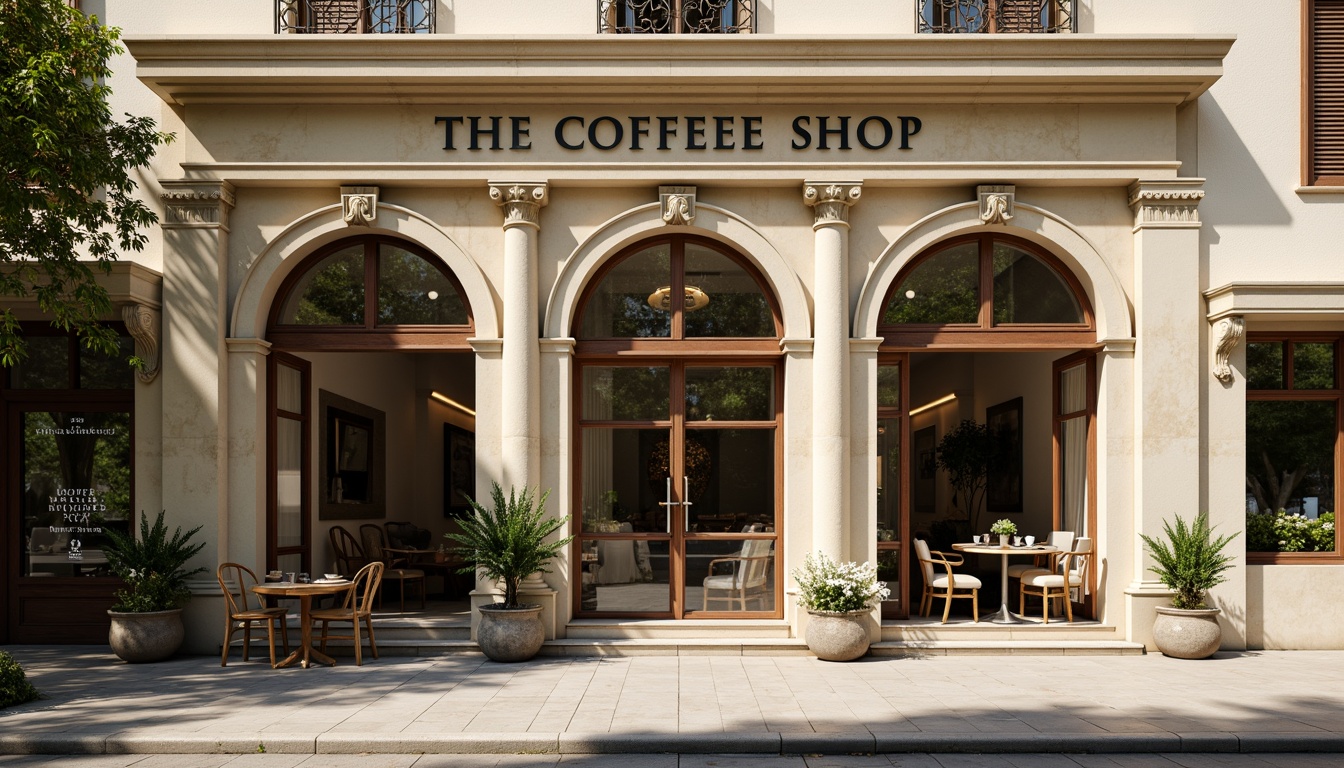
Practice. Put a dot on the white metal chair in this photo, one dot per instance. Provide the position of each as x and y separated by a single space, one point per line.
1070 574
949 583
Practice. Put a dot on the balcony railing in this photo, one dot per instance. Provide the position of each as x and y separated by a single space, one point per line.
677 17
355 17
996 16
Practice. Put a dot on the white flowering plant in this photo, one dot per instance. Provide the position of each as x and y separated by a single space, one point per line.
1003 527
825 585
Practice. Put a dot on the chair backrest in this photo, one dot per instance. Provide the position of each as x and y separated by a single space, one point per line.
406 535
349 555
925 560
756 570
364 587
372 538
1063 541
1082 557
243 580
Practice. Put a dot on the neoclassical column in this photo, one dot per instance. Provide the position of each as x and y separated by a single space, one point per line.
830 203
519 391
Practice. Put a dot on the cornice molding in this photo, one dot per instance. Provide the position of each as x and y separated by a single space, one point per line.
1277 300
1166 203
196 204
710 69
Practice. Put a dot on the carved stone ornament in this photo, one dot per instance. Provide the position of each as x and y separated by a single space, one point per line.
996 202
359 205
143 324
522 201
830 201
196 204
678 205
1166 204
1227 333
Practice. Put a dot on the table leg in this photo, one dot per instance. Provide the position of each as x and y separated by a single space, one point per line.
309 652
1004 616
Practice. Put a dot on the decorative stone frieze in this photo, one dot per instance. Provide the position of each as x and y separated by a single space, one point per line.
143 324
830 201
189 204
1227 333
677 205
359 205
522 201
996 202
1166 204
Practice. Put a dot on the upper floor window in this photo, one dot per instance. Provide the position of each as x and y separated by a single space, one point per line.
355 17
1324 102
996 16
677 17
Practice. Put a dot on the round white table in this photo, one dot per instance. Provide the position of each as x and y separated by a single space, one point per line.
1005 616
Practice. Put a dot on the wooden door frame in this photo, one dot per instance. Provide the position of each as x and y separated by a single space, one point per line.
305 548
1087 357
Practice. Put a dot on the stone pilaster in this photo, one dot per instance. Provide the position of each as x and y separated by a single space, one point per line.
830 203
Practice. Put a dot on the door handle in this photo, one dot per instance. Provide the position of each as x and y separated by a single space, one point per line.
668 502
686 502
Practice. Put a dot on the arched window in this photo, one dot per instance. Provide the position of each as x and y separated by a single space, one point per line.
986 289
368 292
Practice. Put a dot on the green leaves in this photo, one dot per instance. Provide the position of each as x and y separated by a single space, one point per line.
509 541
66 198
1190 561
153 566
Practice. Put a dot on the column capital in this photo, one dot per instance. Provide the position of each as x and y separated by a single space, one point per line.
1166 203
522 201
196 204
830 200
1227 333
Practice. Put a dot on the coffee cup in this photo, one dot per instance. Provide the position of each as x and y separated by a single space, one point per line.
1017 541
1031 541
289 577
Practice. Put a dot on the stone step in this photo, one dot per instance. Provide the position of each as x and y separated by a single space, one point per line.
1052 647
668 630
986 631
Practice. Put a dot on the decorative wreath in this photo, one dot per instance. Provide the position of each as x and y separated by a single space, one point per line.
698 464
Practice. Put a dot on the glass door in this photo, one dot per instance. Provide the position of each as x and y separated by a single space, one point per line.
1075 408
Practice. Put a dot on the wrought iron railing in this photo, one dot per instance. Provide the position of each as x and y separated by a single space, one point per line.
355 17
676 17
996 16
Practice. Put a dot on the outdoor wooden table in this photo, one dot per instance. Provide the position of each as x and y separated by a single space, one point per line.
305 592
1005 616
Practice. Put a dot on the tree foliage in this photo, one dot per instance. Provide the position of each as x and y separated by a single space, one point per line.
967 453
67 190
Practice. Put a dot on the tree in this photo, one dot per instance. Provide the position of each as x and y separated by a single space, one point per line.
67 190
967 453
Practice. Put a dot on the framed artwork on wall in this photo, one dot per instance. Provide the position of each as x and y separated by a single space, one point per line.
351 473
1003 492
924 488
459 470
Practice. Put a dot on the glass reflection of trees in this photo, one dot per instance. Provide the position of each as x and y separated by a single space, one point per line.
410 290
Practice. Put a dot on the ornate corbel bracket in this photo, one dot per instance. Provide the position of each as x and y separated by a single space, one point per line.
677 205
830 200
359 205
522 201
996 202
1166 204
1227 333
143 324
196 204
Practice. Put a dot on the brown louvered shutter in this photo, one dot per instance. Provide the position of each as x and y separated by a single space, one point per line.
1325 93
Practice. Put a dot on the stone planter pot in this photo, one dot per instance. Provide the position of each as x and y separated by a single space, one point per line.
142 637
1187 633
837 636
510 634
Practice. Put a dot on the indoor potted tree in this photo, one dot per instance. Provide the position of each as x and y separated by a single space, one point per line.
967 453
509 543
1189 562
838 596
147 617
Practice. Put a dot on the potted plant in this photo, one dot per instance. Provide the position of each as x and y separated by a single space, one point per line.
1003 528
838 596
967 453
509 543
1189 562
147 617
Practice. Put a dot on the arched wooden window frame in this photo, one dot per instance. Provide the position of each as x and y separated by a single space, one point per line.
984 334
371 335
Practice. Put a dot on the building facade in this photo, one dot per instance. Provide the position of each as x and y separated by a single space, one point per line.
723 277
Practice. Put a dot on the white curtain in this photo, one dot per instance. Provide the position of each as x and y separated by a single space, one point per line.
1073 448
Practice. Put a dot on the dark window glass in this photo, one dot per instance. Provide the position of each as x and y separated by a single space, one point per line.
625 393
47 365
411 291
633 298
1313 365
944 288
1264 365
1027 290
722 299
730 394
331 292
100 371
889 386
1290 467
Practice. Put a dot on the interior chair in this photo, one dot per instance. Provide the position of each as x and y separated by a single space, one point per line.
952 584
1060 540
346 551
742 577
1070 573
239 613
406 535
357 607
395 569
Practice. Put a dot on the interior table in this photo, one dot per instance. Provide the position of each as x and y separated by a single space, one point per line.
305 593
1005 616
427 560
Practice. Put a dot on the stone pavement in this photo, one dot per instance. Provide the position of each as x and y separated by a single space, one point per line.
466 711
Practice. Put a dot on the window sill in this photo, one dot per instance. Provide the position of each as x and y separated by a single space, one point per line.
1294 558
1322 189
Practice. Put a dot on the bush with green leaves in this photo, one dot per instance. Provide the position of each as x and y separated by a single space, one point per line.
1190 561
153 566
825 585
509 542
1286 532
14 686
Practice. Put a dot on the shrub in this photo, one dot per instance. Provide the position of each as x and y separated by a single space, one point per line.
508 542
14 686
1190 561
1285 532
153 566
825 585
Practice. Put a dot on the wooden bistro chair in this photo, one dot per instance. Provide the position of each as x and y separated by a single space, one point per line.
357 607
1060 540
395 568
345 549
1069 574
952 584
239 613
